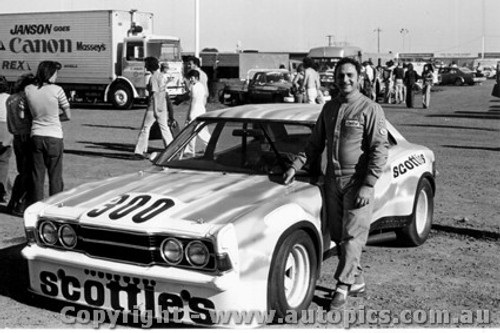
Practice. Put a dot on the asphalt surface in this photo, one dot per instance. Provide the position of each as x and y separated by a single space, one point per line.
457 269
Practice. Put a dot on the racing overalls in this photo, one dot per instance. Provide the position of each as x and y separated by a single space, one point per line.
354 133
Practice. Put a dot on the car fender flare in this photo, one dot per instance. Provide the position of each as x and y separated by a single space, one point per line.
284 220
118 80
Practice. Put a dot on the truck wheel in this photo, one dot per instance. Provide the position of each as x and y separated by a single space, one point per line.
292 277
121 96
418 230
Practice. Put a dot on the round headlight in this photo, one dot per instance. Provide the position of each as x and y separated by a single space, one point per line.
172 251
48 233
197 254
67 236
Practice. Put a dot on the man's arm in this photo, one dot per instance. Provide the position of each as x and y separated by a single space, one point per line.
65 114
312 151
376 134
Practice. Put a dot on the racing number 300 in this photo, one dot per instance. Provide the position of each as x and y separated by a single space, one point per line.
121 206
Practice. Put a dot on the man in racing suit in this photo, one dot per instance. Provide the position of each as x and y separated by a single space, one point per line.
353 129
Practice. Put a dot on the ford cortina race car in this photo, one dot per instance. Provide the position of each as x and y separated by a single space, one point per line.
213 228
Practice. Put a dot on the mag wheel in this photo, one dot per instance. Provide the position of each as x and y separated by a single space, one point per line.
418 230
292 278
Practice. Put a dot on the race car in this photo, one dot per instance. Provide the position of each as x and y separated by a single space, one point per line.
210 226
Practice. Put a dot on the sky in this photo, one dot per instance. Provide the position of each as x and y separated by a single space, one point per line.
437 26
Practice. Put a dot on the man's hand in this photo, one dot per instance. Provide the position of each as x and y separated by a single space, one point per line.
288 176
364 194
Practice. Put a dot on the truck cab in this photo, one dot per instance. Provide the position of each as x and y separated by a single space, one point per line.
131 82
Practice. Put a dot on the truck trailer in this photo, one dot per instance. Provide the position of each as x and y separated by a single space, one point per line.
101 52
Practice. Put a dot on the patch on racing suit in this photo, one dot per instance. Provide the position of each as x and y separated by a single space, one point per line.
352 123
381 127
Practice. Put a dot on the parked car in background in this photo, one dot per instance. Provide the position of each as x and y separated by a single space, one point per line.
458 76
489 72
261 86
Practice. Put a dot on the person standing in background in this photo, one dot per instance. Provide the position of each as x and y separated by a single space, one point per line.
196 108
194 63
49 106
410 80
428 78
170 106
311 82
19 123
388 82
298 85
155 111
5 141
398 75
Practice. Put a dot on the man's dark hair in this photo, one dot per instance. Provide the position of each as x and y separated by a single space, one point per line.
151 64
193 73
46 70
195 60
346 60
308 62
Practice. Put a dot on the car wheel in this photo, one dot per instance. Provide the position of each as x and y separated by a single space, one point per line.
277 99
418 230
293 273
458 81
121 96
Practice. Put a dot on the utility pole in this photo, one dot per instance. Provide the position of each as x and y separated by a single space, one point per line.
378 30
197 28
403 33
482 37
329 39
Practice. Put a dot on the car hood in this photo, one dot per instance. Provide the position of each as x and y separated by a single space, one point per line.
192 196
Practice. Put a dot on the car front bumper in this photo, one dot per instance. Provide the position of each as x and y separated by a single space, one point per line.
193 296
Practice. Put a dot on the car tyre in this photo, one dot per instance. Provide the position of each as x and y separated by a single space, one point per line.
121 96
418 230
458 81
293 274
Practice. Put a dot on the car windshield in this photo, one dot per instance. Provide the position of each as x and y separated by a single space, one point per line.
246 146
465 70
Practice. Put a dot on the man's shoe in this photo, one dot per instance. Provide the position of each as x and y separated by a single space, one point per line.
339 299
357 290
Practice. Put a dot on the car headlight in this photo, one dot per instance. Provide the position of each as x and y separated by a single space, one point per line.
48 233
197 254
67 236
172 251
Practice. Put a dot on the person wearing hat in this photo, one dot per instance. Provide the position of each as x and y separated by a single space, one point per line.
49 106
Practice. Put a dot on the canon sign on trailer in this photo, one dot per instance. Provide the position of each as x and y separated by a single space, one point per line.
101 52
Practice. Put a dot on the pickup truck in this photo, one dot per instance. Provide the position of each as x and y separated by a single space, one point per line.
261 86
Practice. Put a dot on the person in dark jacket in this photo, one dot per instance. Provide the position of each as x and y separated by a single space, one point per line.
410 81
352 128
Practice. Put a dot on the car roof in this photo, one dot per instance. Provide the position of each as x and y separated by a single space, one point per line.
307 113
293 112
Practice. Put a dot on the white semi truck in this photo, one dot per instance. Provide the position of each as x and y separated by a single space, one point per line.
101 52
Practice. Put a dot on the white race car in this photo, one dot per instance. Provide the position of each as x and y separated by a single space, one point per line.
210 227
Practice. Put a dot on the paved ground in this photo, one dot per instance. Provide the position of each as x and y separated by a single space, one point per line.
457 269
